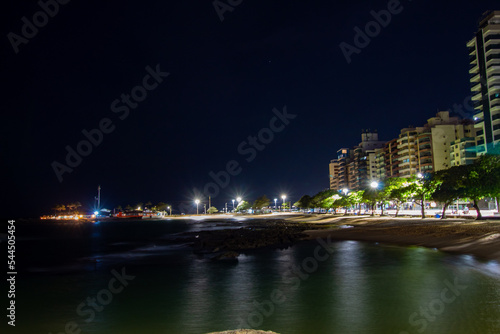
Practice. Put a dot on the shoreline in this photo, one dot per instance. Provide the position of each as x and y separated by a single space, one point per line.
455 236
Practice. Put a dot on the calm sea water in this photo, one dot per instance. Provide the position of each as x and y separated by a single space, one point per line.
345 287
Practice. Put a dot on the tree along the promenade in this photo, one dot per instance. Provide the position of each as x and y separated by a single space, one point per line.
318 200
356 198
420 189
398 191
370 196
243 206
482 180
333 202
161 206
448 186
348 200
261 202
343 202
212 210
305 202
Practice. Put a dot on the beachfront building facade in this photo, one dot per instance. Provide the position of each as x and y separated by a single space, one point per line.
484 70
441 143
356 166
339 169
463 151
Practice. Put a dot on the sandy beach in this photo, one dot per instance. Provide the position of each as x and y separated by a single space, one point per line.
463 236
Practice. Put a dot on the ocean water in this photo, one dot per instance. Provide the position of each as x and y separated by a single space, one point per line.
140 277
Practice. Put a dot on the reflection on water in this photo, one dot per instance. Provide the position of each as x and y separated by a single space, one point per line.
358 288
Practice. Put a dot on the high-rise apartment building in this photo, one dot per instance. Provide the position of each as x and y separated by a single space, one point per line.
439 144
353 168
484 54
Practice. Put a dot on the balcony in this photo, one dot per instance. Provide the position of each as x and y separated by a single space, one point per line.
493 68
476 87
474 69
475 78
476 96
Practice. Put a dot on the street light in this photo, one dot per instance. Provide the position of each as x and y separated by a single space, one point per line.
233 205
197 202
374 186
169 208
345 191
283 197
275 207
421 177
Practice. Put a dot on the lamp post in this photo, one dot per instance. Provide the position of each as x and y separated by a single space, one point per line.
374 186
283 197
238 201
197 202
275 207
170 208
233 205
345 191
421 177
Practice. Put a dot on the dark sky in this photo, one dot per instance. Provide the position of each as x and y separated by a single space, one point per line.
225 79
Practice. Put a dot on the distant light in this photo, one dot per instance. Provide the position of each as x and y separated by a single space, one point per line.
345 190
96 213
197 201
238 199
374 184
476 118
420 175
283 197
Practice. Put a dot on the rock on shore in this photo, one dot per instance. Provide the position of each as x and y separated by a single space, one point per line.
268 234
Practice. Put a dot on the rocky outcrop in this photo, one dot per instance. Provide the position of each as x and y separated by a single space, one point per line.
228 242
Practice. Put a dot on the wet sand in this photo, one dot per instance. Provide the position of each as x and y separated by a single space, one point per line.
461 236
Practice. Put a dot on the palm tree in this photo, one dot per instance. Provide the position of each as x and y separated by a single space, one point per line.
70 206
77 205
60 207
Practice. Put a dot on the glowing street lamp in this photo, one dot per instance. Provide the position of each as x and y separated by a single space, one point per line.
275 200
233 205
283 197
169 208
345 191
374 186
421 177
197 202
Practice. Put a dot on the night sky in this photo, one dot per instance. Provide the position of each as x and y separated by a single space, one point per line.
225 78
